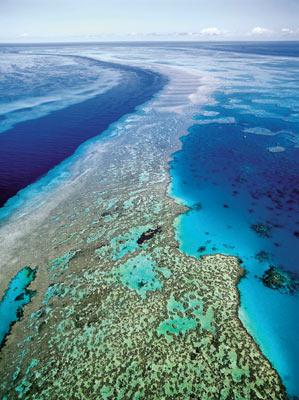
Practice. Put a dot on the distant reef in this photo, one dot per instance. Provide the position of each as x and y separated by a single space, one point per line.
278 279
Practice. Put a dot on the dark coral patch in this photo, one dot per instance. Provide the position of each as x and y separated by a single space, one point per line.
148 235
277 279
201 249
262 256
261 229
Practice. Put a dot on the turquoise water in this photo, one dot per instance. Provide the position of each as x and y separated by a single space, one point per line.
15 298
239 168
140 274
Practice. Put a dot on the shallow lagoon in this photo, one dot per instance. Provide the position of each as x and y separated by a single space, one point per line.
234 184
15 298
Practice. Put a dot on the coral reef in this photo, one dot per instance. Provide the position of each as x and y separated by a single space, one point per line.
120 312
261 229
276 278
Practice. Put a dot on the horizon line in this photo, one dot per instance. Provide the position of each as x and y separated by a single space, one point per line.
147 41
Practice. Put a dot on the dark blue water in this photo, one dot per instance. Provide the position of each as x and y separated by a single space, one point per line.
31 148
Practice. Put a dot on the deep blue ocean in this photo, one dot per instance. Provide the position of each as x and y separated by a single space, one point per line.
238 167
30 148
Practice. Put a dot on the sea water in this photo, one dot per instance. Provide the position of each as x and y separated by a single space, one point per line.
14 299
239 169
71 100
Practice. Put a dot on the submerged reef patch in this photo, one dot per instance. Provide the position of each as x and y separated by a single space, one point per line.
61 263
128 242
262 230
148 235
278 279
262 256
184 315
141 274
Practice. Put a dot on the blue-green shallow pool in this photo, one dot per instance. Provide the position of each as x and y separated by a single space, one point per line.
15 298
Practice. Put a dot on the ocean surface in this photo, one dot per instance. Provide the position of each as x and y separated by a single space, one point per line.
238 168
51 104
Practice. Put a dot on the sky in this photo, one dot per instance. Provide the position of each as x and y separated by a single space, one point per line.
101 20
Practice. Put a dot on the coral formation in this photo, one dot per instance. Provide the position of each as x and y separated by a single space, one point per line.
276 278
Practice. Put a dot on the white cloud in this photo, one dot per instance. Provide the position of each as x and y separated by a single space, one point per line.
211 31
287 31
258 30
24 35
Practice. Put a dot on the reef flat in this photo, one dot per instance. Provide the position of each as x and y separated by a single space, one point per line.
120 312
